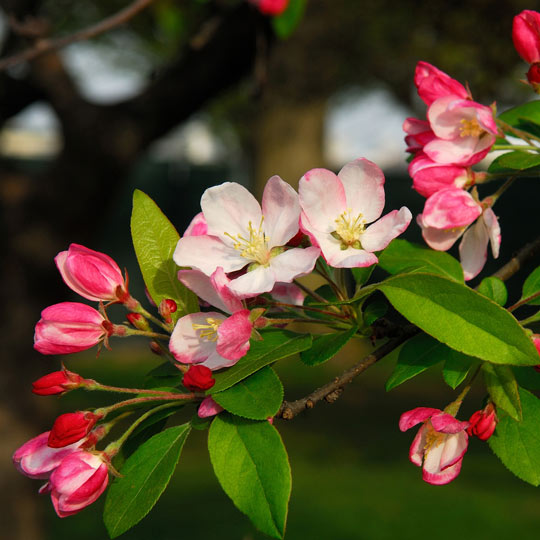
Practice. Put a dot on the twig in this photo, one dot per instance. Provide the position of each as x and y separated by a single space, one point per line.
42 46
331 391
520 258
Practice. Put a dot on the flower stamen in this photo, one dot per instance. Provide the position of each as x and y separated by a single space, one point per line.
208 331
349 229
254 248
470 128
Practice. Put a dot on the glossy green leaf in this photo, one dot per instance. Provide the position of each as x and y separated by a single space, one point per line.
527 377
276 344
163 375
514 162
517 444
285 23
362 275
456 367
503 389
326 346
525 116
256 397
417 355
145 476
252 466
532 286
495 289
374 311
154 240
461 318
402 256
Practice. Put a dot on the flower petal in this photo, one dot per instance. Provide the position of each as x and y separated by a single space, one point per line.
494 231
446 423
415 416
281 210
384 230
233 335
254 282
442 477
455 447
294 263
473 249
416 452
202 286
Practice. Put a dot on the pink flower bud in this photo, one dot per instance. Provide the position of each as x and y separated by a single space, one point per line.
198 378
92 274
71 427
57 382
78 481
432 84
197 227
37 460
166 307
526 35
270 7
533 76
208 407
483 423
450 208
69 327
138 321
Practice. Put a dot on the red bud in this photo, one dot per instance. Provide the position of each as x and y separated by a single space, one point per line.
166 307
71 427
57 382
483 423
198 378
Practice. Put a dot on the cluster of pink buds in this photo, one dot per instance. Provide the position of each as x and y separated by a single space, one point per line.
270 7
457 134
526 37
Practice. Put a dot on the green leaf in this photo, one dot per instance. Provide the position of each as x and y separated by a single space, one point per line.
495 289
523 116
517 444
417 355
532 286
503 389
200 424
326 346
285 23
276 344
460 317
404 257
374 311
154 240
456 367
163 375
145 476
256 397
515 161
362 275
252 466
527 377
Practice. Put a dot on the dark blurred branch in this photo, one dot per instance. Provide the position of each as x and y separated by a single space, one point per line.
332 390
525 254
42 46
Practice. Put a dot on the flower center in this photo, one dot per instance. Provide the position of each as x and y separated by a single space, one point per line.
255 247
470 128
349 229
208 331
433 438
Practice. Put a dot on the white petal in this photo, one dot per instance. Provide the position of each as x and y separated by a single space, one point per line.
201 285
363 183
473 249
383 231
494 231
253 283
281 210
294 263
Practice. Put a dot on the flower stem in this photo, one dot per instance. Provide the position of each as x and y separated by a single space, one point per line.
524 301
137 308
309 308
155 335
515 147
453 408
529 137
94 385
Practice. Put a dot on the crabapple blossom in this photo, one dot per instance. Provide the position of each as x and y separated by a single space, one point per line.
70 327
439 445
483 422
241 235
198 378
337 209
432 84
57 382
36 459
71 427
419 133
79 479
526 35
93 275
211 338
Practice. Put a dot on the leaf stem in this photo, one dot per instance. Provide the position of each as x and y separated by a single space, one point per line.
524 301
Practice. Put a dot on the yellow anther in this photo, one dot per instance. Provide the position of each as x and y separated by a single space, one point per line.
470 128
209 330
349 229
254 248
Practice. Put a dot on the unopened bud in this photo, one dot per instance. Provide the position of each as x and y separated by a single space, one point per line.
138 321
71 427
57 382
483 423
198 378
533 76
166 307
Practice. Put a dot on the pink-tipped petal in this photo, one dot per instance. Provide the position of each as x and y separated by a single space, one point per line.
208 407
415 416
439 239
454 449
222 285
473 249
281 210
228 208
450 208
446 423
202 286
206 253
288 293
494 231
322 198
442 477
526 35
233 335
432 84
377 236
197 226
416 452
363 182
294 263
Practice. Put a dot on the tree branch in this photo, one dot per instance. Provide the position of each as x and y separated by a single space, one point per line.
42 46
526 253
332 390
